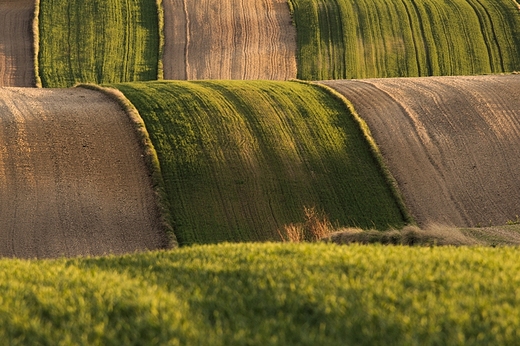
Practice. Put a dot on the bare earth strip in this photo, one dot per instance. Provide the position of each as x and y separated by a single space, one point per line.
72 179
16 57
229 39
452 143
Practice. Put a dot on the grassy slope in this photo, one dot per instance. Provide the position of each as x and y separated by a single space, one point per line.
339 39
241 159
97 41
265 294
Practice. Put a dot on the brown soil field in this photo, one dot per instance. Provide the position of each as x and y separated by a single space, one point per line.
73 180
228 39
16 57
452 143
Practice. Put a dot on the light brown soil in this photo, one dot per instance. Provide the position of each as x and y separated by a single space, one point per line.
229 39
16 57
452 143
72 177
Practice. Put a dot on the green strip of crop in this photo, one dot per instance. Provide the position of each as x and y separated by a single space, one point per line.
374 149
242 159
98 41
266 294
340 39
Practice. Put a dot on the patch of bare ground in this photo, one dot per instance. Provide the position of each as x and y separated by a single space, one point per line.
228 39
16 41
72 177
452 143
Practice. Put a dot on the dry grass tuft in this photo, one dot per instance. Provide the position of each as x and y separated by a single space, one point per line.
316 227
409 235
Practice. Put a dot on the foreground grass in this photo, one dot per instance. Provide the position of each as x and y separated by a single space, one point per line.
339 39
242 159
97 41
267 294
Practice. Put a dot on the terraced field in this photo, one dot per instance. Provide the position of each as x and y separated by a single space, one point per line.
241 159
379 38
72 177
16 57
451 143
228 39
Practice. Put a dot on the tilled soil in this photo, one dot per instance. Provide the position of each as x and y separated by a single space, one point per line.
72 177
16 57
452 143
229 39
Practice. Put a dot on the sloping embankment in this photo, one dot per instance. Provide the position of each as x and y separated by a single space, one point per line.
452 143
72 177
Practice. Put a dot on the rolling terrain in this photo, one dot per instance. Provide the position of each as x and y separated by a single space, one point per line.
242 159
16 41
72 177
450 142
228 39
402 38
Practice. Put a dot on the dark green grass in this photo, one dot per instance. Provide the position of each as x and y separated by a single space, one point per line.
266 294
340 39
97 41
242 159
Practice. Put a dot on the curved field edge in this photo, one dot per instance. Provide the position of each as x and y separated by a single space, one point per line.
160 33
98 42
367 39
150 155
392 183
36 43
241 160
451 142
267 294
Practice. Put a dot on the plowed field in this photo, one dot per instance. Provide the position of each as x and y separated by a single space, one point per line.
72 179
16 59
452 143
228 39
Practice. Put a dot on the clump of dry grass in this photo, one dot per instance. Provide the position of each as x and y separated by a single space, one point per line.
409 235
315 227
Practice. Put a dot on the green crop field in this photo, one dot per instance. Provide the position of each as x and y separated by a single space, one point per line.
266 294
242 159
97 41
339 39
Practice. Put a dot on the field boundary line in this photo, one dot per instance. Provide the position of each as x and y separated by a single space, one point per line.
150 155
160 30
187 44
374 149
36 43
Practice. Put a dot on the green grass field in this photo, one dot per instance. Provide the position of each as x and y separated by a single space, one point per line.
340 39
98 41
242 159
266 294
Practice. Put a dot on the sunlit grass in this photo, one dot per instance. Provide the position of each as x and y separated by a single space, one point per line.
242 159
267 294
340 39
98 41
